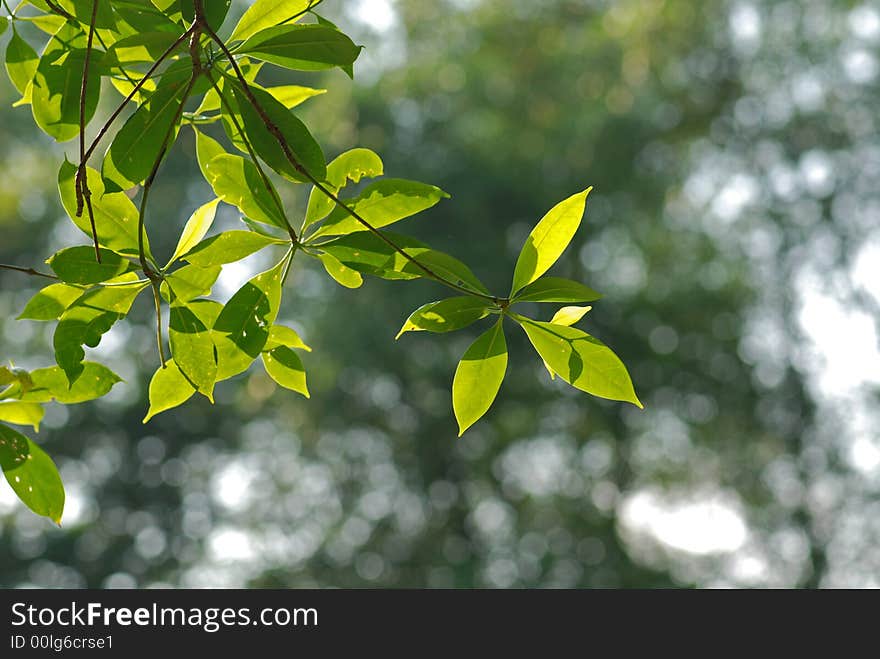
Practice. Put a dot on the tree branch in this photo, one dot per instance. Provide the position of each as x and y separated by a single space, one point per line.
27 271
288 153
82 185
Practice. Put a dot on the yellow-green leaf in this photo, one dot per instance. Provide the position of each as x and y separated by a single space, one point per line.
343 275
568 316
549 239
285 367
479 376
168 389
268 13
446 315
31 474
22 414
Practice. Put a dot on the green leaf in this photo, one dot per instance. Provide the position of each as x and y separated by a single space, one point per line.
207 148
351 166
22 414
140 48
16 376
215 11
343 275
380 204
267 13
196 227
302 146
31 474
302 47
50 303
21 62
193 348
141 140
168 389
242 328
369 254
82 9
237 182
116 217
291 96
51 383
549 239
57 81
479 376
568 316
78 265
581 360
446 315
87 320
556 289
285 367
228 247
279 335
190 282
4 24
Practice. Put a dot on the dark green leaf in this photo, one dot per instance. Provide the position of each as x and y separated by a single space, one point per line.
79 265
31 474
446 315
302 47
556 289
242 328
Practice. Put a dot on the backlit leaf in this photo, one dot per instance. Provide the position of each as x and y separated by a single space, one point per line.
285 367
267 13
22 414
446 315
79 265
193 348
32 475
479 376
351 166
237 182
228 247
556 289
168 389
343 275
196 227
50 303
302 47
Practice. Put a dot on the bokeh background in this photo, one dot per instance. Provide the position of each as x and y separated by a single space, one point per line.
734 229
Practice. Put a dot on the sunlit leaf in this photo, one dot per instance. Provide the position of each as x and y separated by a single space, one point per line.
116 217
215 11
50 303
51 383
479 376
568 316
343 275
190 282
242 328
268 13
228 247
581 360
196 227
22 414
237 182
446 315
556 289
351 166
192 348
168 389
380 204
549 239
285 367
55 98
279 335
21 62
87 320
32 475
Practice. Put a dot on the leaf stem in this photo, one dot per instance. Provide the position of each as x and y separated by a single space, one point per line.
158 302
288 153
27 271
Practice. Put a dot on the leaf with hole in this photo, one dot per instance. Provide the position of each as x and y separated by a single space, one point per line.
32 475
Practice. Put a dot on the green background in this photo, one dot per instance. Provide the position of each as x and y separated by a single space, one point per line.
733 228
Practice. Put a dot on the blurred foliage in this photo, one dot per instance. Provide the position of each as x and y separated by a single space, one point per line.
734 153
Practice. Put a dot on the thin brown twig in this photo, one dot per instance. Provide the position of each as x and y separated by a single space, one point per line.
83 193
288 153
27 271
